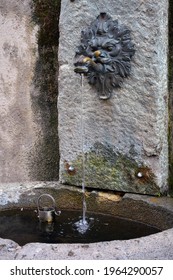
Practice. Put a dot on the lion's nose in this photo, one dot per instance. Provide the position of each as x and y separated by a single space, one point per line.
97 53
87 59
100 54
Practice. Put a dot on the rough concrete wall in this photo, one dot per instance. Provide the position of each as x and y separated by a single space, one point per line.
24 112
128 133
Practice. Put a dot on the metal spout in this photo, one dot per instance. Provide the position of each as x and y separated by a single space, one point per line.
85 64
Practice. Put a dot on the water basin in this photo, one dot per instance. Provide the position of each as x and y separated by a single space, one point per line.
24 227
154 212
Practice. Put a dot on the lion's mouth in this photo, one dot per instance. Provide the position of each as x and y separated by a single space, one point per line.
87 64
81 68
95 63
104 60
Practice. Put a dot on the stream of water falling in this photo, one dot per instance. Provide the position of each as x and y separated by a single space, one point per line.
83 152
83 225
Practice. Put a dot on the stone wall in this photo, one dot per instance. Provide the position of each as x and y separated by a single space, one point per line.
123 136
126 135
28 115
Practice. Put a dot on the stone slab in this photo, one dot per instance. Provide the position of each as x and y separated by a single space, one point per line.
153 247
18 53
127 134
28 115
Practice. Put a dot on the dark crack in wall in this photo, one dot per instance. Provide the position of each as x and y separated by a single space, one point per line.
171 96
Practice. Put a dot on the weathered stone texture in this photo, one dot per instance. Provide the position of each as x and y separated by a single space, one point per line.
17 48
133 123
28 121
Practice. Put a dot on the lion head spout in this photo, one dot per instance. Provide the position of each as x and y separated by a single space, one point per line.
105 54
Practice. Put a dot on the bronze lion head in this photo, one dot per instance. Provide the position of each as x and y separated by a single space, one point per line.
105 54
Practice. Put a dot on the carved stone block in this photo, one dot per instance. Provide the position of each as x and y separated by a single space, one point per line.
124 137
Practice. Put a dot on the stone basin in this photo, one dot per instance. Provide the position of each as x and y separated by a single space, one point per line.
154 211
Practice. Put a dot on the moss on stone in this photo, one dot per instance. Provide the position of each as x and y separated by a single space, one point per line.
46 15
104 169
44 158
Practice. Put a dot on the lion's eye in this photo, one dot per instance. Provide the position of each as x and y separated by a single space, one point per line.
94 48
109 48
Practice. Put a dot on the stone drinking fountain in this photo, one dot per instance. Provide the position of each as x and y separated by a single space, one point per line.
113 144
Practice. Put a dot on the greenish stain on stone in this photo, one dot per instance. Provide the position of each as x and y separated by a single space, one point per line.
104 169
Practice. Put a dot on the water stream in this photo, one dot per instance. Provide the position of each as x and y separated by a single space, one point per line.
83 225
83 153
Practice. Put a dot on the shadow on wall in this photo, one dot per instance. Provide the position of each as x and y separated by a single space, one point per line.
44 158
171 96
